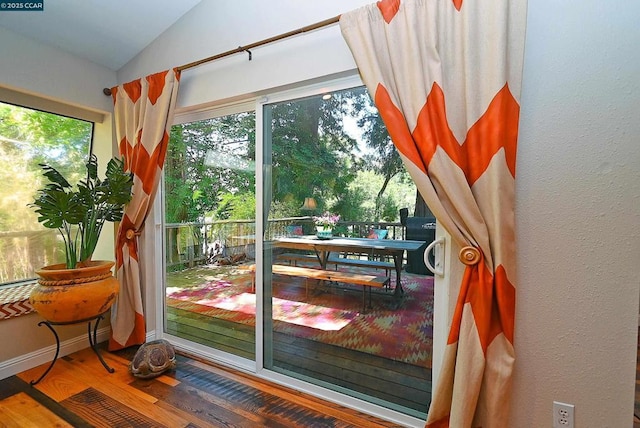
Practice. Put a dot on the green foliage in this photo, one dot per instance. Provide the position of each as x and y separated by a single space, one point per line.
286 208
241 206
336 150
382 156
27 138
351 204
205 160
311 152
47 137
361 202
389 209
93 202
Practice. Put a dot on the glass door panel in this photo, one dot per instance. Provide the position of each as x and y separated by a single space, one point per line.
209 207
325 155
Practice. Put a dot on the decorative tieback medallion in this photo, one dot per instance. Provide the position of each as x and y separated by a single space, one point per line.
469 255
131 233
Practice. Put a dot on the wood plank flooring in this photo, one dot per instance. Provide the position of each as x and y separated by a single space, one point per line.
636 416
78 392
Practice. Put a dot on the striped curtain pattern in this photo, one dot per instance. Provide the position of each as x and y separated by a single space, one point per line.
446 76
143 114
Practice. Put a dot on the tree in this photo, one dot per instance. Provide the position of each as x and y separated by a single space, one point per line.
314 151
384 157
311 153
206 159
421 209
27 138
239 206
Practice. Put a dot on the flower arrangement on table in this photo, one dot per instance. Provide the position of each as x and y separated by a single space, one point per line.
325 224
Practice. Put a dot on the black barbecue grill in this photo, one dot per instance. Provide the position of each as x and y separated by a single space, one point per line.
420 229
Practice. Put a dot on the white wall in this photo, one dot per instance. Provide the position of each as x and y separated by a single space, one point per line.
578 211
578 180
215 27
29 67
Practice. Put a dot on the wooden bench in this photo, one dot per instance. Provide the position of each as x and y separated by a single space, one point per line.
337 260
297 257
377 264
367 281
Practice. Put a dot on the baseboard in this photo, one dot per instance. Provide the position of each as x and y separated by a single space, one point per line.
33 359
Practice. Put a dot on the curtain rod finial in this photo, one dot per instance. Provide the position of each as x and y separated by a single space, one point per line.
106 91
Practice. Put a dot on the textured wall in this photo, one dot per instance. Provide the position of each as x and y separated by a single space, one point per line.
51 73
578 210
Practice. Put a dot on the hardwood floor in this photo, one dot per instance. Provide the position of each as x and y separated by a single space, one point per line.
78 392
636 416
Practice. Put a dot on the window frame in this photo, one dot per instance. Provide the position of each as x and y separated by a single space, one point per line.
35 103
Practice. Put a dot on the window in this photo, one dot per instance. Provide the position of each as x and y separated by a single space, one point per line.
27 138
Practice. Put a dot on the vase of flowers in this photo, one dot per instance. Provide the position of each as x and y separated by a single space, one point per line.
325 224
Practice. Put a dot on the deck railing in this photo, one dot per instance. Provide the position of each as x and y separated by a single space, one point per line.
24 251
187 244
196 243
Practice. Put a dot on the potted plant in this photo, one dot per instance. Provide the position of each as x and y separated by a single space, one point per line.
81 288
325 224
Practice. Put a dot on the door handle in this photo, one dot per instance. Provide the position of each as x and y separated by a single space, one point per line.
438 269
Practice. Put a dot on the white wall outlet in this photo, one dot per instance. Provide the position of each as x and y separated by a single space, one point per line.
562 415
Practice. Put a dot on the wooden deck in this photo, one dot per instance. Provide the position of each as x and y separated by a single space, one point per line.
406 387
78 392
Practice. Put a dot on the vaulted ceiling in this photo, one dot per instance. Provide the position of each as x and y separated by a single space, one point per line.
107 32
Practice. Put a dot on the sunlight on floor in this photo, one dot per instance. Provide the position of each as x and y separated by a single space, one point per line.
290 311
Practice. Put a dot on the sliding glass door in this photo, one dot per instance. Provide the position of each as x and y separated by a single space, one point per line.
239 283
326 153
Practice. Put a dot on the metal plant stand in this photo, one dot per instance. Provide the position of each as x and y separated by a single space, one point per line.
92 342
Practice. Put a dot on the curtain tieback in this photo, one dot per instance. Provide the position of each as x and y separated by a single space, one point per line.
131 233
469 255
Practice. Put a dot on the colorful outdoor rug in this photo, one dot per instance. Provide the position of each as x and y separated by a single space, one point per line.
327 314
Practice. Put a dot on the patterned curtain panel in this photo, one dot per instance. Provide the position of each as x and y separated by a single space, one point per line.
143 114
446 77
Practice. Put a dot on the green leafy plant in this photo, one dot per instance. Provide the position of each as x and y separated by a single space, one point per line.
88 206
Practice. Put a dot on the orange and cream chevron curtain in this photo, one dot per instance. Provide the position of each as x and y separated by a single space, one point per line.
143 114
446 76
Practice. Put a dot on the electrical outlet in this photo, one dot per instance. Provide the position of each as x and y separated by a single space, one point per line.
562 415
